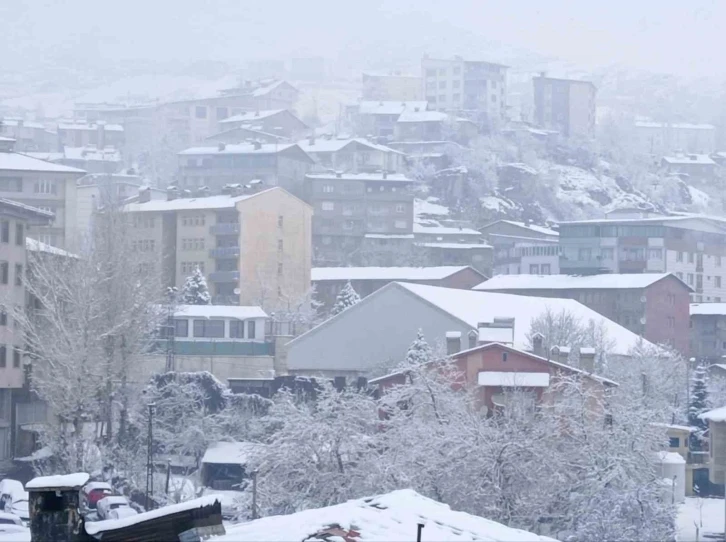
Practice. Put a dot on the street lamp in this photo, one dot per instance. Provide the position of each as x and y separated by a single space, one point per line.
150 459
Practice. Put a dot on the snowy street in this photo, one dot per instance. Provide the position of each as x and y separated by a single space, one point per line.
700 519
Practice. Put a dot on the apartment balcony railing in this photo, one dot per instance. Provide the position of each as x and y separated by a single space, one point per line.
224 228
224 276
698 458
224 252
219 347
31 413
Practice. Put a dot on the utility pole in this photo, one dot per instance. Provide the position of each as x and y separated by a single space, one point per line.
254 494
150 459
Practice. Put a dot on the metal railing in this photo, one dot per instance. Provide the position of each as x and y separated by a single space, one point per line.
224 276
224 252
224 228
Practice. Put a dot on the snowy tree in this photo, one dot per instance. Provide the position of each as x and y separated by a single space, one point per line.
419 352
699 404
346 298
195 290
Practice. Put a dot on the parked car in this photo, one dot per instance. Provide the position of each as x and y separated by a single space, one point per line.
14 499
114 507
93 492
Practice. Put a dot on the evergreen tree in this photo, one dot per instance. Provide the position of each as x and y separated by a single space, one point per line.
195 290
698 405
419 352
346 298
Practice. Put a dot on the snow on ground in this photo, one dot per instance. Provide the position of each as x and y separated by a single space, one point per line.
389 517
698 518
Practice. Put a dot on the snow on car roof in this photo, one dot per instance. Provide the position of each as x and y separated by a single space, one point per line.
393 516
90 486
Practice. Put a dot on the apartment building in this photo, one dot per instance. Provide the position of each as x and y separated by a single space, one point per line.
47 186
280 122
708 332
28 135
693 247
695 166
351 155
659 138
16 222
274 164
652 305
90 158
99 134
523 248
377 119
565 105
391 87
460 85
359 214
254 249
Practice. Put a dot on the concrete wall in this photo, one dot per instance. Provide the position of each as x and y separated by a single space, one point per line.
222 367
374 334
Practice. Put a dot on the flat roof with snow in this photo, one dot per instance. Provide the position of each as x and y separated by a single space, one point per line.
189 204
232 453
377 177
239 148
390 107
15 161
220 311
251 116
573 282
320 274
708 309
700 159
65 481
335 145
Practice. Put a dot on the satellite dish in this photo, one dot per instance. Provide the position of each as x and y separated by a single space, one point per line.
642 320
642 299
236 291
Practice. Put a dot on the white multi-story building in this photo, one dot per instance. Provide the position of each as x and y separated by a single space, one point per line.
464 85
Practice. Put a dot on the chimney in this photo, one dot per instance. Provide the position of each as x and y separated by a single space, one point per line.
221 146
587 359
311 141
538 345
144 194
172 192
257 145
385 174
338 174
560 354
500 330
453 342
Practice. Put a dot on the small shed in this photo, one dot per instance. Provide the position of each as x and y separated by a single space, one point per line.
673 467
55 507
223 464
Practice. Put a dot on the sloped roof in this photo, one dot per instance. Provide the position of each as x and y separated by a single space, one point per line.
393 516
411 115
319 274
533 227
335 145
240 148
235 453
252 116
27 210
15 161
573 282
391 107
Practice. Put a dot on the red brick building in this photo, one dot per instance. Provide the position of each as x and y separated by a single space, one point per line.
495 368
652 305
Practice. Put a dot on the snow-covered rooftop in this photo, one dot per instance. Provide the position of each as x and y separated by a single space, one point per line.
239 148
671 458
429 207
378 177
95 527
219 311
388 236
700 159
390 107
383 518
252 116
76 480
16 161
233 453
90 127
533 227
473 307
706 309
676 125
716 415
571 282
319 274
433 227
188 204
673 426
411 115
335 145
455 246
24 208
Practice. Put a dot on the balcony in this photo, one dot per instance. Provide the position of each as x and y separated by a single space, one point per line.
220 253
224 228
698 458
220 347
224 276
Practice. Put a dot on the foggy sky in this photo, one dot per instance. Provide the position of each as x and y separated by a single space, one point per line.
685 38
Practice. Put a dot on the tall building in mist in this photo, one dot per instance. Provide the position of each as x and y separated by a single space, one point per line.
391 87
565 105
460 85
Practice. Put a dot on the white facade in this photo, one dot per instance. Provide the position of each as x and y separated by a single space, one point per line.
529 258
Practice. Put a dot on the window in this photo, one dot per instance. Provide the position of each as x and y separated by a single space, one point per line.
19 234
222 113
504 356
181 328
279 221
690 279
237 329
431 99
674 442
442 84
431 73
16 357
442 97
534 269
3 317
442 71
200 112
584 254
4 231
328 188
718 261
679 275
193 220
3 356
250 329
494 98
18 274
608 253
193 243
655 253
13 184
279 268
45 187
456 97
456 84
213 329
400 224
400 208
348 225
671 322
690 257
717 282
279 245
679 256
4 272
545 269
189 267
327 206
